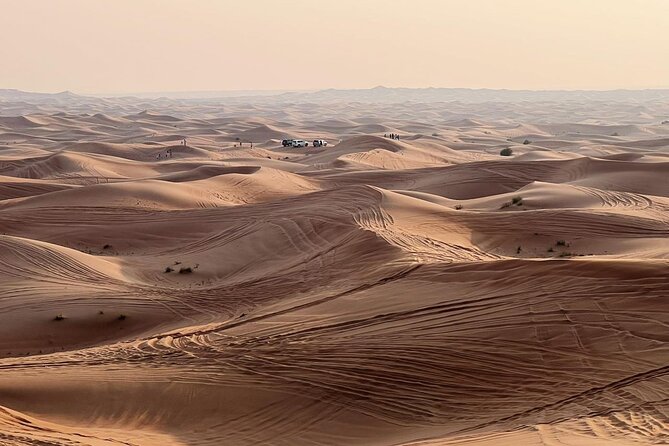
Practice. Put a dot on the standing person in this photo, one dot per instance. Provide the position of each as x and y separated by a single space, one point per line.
251 144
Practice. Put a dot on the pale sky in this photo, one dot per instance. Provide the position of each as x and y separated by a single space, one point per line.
126 46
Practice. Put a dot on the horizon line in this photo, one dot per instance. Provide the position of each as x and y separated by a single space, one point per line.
316 90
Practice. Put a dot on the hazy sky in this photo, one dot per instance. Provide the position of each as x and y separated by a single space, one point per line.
114 46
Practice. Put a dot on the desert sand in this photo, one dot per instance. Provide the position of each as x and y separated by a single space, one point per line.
420 291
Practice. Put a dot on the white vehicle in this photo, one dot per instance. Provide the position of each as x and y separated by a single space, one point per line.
320 143
300 143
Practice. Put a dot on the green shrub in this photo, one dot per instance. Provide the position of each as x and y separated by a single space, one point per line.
506 152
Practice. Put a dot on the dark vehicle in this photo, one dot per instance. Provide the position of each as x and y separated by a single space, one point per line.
287 143
320 143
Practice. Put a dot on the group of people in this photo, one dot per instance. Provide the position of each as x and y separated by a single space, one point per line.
168 154
392 136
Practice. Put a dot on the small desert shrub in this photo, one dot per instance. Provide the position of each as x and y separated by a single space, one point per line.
59 317
560 243
506 152
435 134
566 254
105 247
518 201
518 250
186 270
169 269
551 249
527 141
458 207
615 134
121 317
101 312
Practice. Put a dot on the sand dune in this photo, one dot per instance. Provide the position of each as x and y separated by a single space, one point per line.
11 187
240 186
143 152
377 152
426 291
263 132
